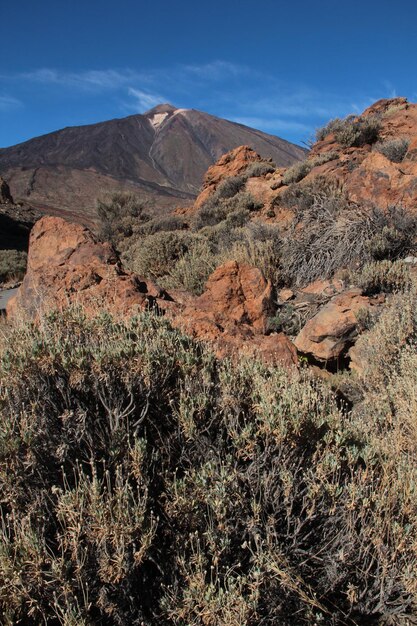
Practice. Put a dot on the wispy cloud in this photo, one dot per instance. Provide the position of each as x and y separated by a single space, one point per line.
216 70
274 124
143 99
8 102
234 91
90 79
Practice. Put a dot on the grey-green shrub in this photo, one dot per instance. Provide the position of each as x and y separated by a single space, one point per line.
352 130
331 233
394 149
145 481
120 214
154 256
259 168
296 172
387 276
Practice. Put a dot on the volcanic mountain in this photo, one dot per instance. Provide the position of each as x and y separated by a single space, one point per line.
162 155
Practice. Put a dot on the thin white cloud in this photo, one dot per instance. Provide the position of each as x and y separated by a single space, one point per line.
89 79
390 88
216 70
231 90
144 100
8 102
272 124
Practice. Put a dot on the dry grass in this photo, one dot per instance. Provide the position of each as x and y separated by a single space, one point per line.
331 233
12 265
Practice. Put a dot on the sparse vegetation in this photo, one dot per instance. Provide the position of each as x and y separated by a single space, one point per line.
12 265
230 186
132 461
120 214
219 207
297 172
259 168
387 276
331 233
325 157
352 130
394 149
154 255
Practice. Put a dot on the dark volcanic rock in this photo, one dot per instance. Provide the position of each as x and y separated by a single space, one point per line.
5 195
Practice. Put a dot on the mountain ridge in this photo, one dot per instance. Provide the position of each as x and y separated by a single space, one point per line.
161 154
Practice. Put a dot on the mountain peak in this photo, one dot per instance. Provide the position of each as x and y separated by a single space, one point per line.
162 155
160 108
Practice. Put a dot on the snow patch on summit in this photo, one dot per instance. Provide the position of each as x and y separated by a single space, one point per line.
157 119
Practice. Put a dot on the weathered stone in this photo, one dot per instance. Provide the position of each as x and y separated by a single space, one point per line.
232 314
67 265
328 334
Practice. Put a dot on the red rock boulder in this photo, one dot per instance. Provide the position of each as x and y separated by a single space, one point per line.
328 334
233 314
67 265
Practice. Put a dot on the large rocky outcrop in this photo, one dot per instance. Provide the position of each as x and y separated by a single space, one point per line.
233 314
369 177
67 265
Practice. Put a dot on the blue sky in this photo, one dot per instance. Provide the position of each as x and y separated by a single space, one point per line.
284 67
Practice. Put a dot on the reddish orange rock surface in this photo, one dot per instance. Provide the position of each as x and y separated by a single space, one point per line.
233 313
368 177
231 164
67 264
327 334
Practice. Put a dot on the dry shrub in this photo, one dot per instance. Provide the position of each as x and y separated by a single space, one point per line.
155 255
218 208
253 244
167 223
387 276
352 130
230 186
259 168
325 157
12 265
144 481
120 214
330 232
394 149
296 172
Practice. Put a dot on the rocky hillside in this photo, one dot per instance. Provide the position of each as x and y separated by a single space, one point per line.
161 155
274 483
373 157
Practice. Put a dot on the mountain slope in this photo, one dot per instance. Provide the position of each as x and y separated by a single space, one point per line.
162 154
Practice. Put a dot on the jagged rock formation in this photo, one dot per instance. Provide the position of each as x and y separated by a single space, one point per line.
161 155
233 315
68 265
233 163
